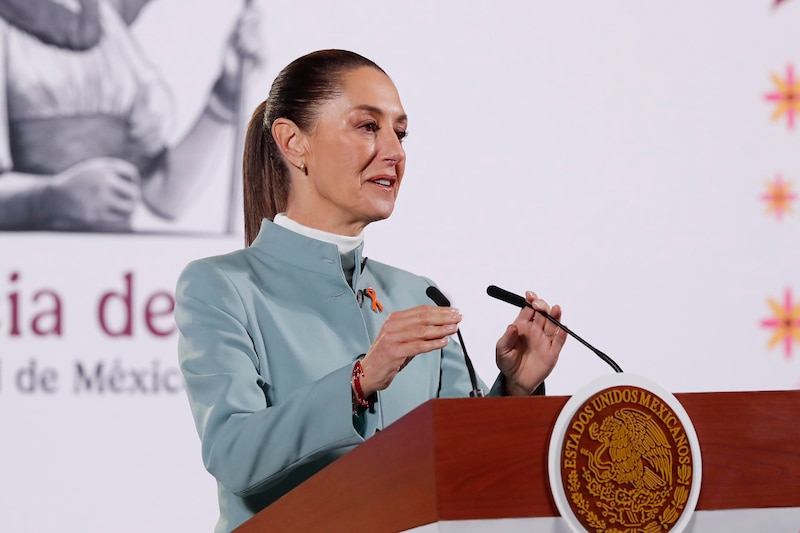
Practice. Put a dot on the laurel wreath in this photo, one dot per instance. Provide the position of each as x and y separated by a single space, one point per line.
679 497
582 504
668 516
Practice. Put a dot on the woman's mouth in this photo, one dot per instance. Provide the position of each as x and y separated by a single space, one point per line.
383 181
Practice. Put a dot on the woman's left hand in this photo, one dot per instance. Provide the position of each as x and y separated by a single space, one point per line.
528 350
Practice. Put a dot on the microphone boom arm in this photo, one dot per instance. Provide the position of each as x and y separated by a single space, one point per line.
515 299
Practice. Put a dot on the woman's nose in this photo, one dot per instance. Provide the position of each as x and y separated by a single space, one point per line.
391 147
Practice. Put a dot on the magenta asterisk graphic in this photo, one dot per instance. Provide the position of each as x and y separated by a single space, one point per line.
786 97
785 322
779 197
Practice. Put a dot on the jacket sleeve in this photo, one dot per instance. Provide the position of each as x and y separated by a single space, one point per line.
247 443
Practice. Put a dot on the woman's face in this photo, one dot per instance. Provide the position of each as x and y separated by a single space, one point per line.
354 157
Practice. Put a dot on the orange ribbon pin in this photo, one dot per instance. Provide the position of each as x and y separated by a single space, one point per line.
372 295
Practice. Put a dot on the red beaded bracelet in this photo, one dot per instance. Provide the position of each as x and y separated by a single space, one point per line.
358 373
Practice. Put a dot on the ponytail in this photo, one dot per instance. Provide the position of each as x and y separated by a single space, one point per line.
264 177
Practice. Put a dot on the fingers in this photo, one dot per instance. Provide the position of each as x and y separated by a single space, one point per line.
246 37
124 170
507 342
537 303
507 350
548 328
123 191
123 187
420 329
403 336
559 339
427 321
250 44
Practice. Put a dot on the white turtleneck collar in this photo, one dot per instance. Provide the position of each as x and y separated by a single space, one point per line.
345 243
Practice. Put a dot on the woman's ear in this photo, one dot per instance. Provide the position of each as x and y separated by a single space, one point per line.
291 141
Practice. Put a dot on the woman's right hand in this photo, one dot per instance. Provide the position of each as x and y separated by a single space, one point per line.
404 335
98 194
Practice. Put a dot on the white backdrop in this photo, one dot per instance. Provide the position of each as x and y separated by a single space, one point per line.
611 156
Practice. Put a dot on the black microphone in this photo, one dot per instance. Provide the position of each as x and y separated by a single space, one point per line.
519 301
442 301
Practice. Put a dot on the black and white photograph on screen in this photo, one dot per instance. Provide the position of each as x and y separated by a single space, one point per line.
85 118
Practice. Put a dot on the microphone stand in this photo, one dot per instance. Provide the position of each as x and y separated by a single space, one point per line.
442 301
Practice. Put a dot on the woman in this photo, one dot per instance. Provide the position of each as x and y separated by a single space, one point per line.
298 348
83 131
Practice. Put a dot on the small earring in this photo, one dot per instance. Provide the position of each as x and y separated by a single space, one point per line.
302 167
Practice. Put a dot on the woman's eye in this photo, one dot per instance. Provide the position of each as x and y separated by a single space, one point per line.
371 126
401 135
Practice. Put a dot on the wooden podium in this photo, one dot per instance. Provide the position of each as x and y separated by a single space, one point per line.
486 458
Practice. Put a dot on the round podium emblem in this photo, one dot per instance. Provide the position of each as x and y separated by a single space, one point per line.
624 457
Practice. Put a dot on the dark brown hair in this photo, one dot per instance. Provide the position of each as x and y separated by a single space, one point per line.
297 93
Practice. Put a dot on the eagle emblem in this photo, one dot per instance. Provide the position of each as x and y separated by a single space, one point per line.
633 450
626 463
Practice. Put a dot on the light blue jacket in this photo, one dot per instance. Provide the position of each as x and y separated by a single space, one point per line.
268 338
